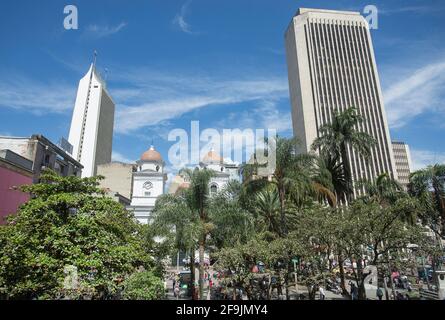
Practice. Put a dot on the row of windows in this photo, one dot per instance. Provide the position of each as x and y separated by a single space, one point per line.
348 86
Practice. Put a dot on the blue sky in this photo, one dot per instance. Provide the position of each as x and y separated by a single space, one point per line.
219 62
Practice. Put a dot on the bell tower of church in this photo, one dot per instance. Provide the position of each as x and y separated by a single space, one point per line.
148 184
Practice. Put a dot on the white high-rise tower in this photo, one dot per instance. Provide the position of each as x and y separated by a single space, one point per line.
91 131
331 67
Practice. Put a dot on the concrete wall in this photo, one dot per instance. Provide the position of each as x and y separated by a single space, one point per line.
118 177
105 130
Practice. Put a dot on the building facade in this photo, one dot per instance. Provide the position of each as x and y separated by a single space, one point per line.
15 171
91 131
148 184
223 172
331 67
118 177
43 154
402 158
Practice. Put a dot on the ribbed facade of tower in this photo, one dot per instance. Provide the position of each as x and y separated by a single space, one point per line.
402 159
331 67
91 131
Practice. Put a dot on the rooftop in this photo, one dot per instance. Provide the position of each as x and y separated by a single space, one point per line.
306 10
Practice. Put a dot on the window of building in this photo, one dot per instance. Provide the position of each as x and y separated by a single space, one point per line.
213 189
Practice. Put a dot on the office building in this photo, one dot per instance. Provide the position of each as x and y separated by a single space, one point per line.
402 160
331 67
91 131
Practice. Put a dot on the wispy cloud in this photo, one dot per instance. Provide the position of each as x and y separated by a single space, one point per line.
422 158
409 9
38 97
179 19
423 90
101 31
178 95
116 156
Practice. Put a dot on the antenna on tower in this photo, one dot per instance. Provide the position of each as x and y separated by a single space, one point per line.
94 58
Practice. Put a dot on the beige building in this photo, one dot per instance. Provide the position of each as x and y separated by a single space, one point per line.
331 67
402 159
118 177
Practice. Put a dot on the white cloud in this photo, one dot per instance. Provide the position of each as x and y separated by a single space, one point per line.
116 156
272 118
422 158
35 96
179 19
100 31
410 9
179 95
414 94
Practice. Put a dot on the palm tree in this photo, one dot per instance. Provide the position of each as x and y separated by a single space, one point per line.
335 137
293 178
331 174
232 222
428 185
384 189
198 197
267 208
174 218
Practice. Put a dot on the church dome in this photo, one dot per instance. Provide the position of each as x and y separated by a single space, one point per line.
151 155
212 157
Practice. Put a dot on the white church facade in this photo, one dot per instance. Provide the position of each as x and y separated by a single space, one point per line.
149 181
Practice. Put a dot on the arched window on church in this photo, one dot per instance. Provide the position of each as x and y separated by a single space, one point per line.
213 189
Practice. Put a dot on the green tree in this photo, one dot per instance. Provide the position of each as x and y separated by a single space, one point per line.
335 137
383 189
177 222
428 185
69 222
293 178
369 230
267 210
232 223
143 285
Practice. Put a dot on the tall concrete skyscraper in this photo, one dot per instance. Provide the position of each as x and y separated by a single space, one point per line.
402 159
91 131
331 67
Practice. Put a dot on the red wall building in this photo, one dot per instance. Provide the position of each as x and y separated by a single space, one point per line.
12 175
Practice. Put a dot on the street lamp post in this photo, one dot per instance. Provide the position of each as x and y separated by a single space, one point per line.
296 277
177 262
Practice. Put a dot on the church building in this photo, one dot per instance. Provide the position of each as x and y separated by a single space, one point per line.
148 184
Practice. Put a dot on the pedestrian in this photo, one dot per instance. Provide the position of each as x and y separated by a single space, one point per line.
321 292
174 283
176 291
210 283
353 291
379 293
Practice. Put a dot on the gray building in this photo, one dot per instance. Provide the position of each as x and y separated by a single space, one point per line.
331 67
402 158
43 154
